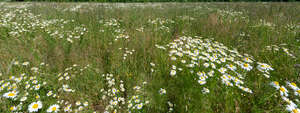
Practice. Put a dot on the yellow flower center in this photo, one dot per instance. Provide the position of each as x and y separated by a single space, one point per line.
295 111
293 84
276 83
11 94
298 91
53 108
246 65
12 108
35 106
282 89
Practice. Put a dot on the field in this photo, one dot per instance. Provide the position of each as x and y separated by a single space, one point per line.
150 57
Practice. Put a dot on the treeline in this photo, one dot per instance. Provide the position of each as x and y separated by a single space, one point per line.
129 1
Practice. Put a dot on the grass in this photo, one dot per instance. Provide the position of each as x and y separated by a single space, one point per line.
107 50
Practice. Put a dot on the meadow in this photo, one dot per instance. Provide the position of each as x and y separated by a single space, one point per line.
150 57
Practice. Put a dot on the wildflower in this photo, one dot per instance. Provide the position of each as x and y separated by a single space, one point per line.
23 99
25 63
78 103
173 72
37 87
13 108
231 67
292 108
297 92
275 84
222 70
11 94
247 59
201 82
205 90
283 91
68 108
139 106
54 108
49 93
35 106
85 103
162 91
292 85
246 66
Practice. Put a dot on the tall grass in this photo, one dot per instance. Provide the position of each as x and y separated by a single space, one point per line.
248 27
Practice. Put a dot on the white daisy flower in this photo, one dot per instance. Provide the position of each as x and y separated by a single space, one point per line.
13 108
162 91
173 72
54 108
275 84
23 99
246 66
139 106
205 90
283 91
201 82
292 85
11 94
35 106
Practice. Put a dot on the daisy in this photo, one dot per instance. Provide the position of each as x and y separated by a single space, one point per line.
222 70
78 103
292 85
275 84
201 82
23 99
292 108
283 91
246 66
49 93
37 87
35 106
54 108
206 65
13 108
25 63
173 72
162 91
11 94
68 108
247 59
205 90
297 92
231 67
139 106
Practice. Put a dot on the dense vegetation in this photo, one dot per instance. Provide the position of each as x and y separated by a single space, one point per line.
129 1
150 58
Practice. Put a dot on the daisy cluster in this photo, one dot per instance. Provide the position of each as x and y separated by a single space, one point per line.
264 23
114 25
289 94
60 32
232 16
161 24
21 21
207 59
115 99
186 17
30 91
294 28
127 52
280 47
